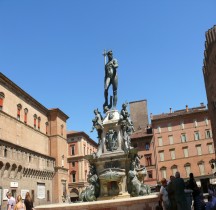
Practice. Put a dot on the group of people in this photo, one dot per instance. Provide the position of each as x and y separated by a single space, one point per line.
172 195
19 204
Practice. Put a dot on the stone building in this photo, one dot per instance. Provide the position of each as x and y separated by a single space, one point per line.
33 147
183 142
210 76
79 145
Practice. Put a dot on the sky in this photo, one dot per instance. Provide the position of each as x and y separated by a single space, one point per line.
53 50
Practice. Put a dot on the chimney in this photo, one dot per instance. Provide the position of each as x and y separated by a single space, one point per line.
202 104
170 110
186 108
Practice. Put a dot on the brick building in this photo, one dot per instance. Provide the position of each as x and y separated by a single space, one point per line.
143 141
32 147
139 114
79 145
183 142
210 76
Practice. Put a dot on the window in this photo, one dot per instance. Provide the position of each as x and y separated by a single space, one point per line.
2 96
172 154
150 175
46 124
183 137
84 149
163 172
161 154
35 118
72 150
148 160
147 146
210 148
5 152
185 150
174 169
73 164
39 120
208 134
19 107
32 194
201 168
160 141
48 195
30 158
169 127
206 121
196 135
195 123
62 126
199 150
170 139
73 177
182 125
187 169
25 115
159 129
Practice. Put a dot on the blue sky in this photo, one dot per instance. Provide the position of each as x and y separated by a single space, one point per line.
53 50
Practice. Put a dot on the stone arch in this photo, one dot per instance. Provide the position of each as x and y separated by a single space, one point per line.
6 170
74 194
13 171
19 172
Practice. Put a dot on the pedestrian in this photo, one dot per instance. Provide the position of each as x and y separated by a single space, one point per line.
19 204
180 198
28 202
11 201
196 192
171 195
163 195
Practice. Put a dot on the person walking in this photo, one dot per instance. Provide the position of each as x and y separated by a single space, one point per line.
179 186
19 204
196 192
28 202
163 195
11 201
171 195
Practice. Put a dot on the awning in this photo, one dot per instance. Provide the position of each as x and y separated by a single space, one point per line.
73 195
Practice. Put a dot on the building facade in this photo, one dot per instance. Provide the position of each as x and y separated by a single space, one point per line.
139 114
32 147
79 145
143 140
210 76
183 142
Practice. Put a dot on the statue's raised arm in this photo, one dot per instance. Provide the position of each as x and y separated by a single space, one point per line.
111 78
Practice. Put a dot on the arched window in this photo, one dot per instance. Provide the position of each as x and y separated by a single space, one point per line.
35 119
46 127
2 96
187 169
62 126
25 115
201 166
19 107
39 120
174 169
163 172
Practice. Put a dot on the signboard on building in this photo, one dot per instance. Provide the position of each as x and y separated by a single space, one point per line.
4 194
13 184
40 190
